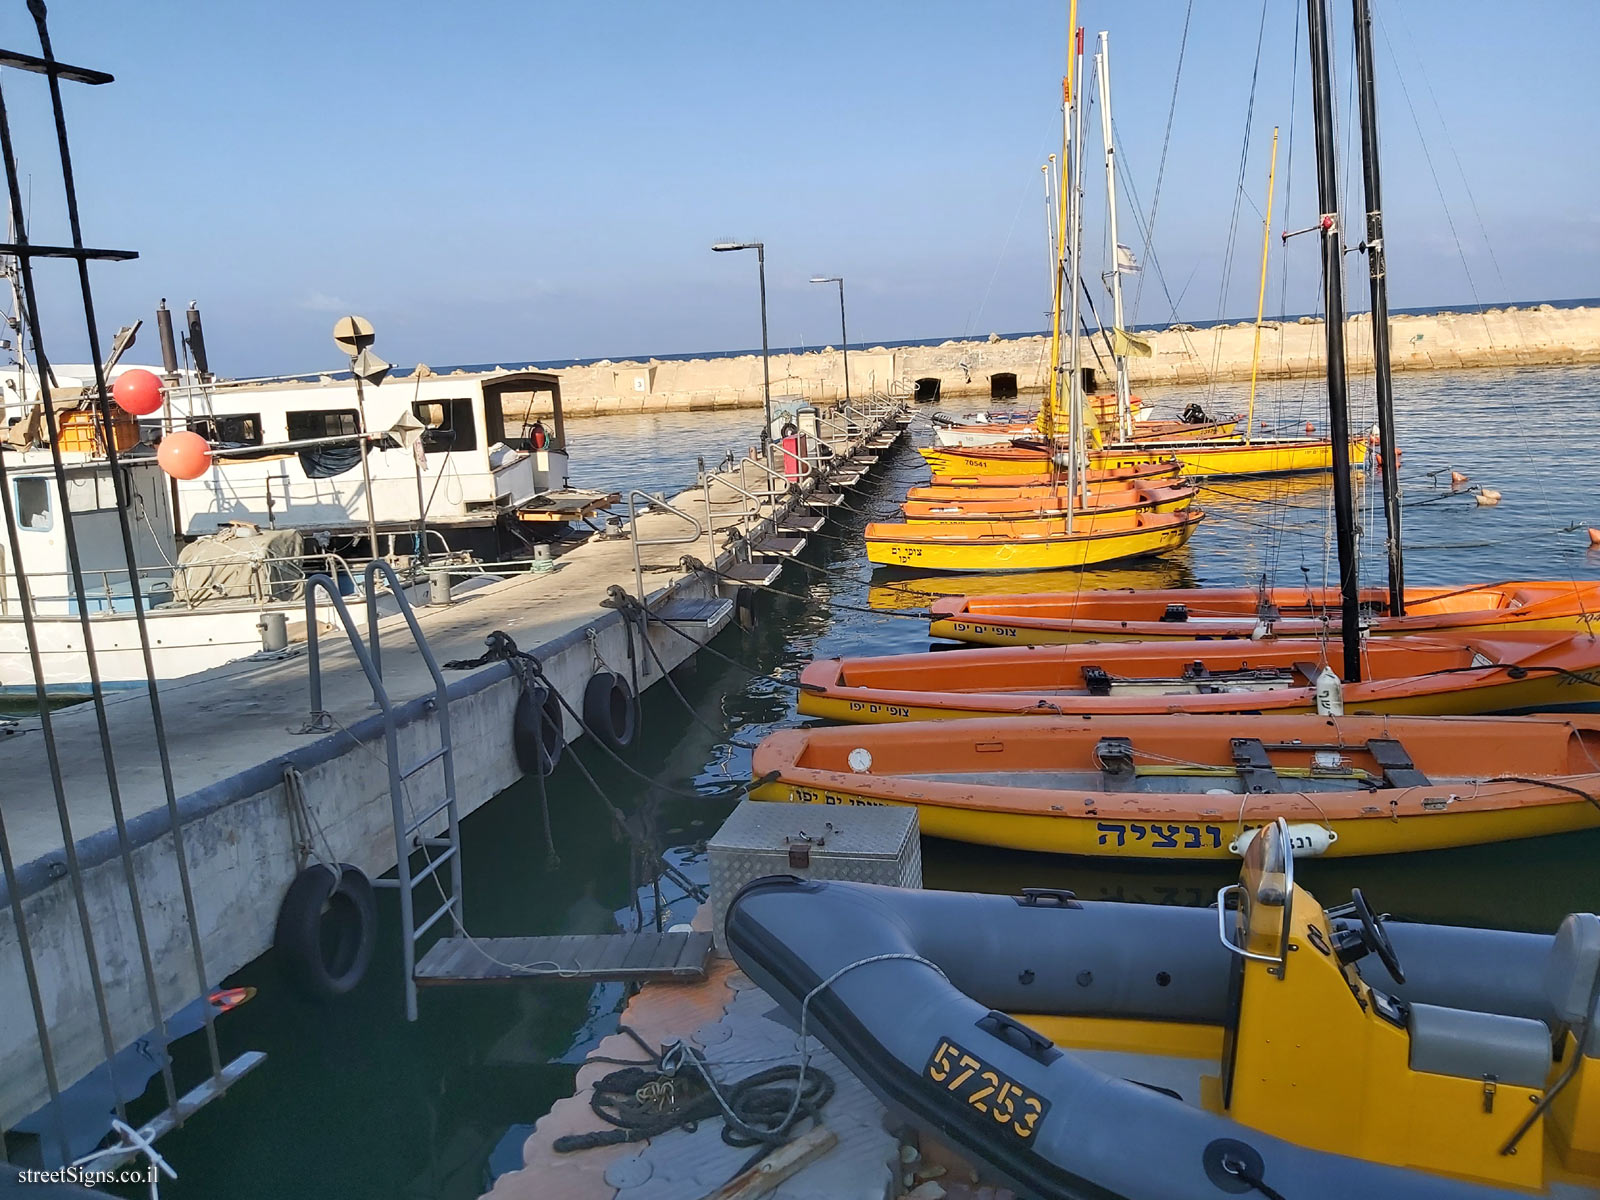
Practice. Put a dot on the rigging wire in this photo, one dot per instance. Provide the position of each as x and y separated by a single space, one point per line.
1149 227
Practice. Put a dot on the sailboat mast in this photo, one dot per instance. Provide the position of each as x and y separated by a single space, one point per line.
1333 312
1077 475
1388 460
1103 72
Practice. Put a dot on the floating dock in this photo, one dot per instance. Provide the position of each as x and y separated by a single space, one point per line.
247 741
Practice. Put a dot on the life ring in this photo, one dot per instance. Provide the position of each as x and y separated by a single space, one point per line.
744 607
610 709
327 925
537 722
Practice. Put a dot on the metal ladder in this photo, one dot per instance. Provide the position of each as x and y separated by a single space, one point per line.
409 836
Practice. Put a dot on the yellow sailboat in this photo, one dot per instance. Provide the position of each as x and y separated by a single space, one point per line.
1048 544
1213 458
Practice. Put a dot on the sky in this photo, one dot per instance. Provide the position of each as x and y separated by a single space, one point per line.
498 181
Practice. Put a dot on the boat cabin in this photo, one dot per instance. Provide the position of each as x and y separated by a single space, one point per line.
458 451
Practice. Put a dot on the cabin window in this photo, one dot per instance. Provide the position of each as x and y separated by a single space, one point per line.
339 422
33 504
449 423
234 429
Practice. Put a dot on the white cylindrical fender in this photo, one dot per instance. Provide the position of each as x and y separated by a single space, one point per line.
1306 839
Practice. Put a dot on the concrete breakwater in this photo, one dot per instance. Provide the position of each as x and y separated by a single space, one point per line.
998 367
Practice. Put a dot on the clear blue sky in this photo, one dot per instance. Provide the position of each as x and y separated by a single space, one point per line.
505 181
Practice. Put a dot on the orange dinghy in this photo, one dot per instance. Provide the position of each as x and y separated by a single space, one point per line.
1191 788
1103 498
1166 468
1061 618
1422 676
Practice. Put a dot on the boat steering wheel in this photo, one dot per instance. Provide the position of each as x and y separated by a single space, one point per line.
1375 937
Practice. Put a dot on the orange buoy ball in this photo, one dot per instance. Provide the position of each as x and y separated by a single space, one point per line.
184 455
1457 477
138 392
1594 537
1311 427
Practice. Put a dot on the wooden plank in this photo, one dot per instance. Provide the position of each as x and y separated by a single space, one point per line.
593 957
762 1176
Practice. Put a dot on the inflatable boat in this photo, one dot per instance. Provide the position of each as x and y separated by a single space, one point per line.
1191 788
1265 1047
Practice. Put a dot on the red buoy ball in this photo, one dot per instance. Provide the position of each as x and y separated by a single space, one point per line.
1311 427
138 391
184 455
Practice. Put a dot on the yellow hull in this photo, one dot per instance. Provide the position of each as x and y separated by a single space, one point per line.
1205 838
1030 554
1195 459
981 633
1536 692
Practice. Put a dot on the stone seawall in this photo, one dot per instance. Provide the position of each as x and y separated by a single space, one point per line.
975 370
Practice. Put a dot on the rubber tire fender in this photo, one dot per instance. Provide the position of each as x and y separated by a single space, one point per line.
744 607
538 720
327 927
610 709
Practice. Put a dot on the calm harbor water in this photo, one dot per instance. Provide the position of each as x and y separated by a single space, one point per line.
354 1102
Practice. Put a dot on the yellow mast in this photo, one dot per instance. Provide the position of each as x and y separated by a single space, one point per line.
1261 296
1052 407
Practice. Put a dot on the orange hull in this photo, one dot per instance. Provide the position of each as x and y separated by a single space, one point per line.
1103 498
1160 787
1061 617
1035 480
1502 672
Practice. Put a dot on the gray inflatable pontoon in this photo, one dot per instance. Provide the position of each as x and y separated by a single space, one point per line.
1201 1053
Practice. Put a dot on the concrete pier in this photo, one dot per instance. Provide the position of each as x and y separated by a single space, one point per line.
975 369
234 731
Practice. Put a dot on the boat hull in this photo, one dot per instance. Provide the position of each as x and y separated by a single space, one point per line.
1028 545
1195 459
1506 673
1032 783
1070 618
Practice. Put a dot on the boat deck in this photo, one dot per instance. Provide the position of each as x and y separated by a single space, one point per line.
740 1030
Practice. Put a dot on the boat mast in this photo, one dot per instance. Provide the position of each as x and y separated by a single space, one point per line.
1388 463
1261 296
1102 66
1333 324
1076 476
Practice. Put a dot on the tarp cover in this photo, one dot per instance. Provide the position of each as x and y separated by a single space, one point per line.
240 562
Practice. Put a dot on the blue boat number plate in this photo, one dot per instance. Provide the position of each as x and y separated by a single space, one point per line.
967 1077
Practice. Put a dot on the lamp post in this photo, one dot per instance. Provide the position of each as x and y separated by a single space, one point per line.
844 336
766 368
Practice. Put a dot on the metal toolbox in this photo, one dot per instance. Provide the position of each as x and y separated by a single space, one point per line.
865 844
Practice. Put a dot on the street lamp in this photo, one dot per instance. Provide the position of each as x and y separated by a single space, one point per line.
844 337
766 369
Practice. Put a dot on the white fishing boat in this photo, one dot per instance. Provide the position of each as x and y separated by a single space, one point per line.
303 476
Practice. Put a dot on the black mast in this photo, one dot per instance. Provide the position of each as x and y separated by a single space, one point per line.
1333 311
1378 269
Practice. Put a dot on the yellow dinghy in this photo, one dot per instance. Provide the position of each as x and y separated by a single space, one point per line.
1190 788
1213 459
1039 545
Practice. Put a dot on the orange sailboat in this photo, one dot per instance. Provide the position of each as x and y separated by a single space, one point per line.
1173 614
1419 676
1195 789
1102 498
